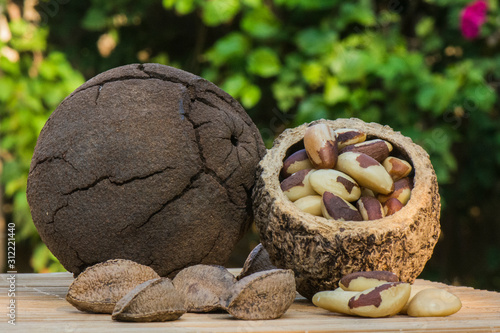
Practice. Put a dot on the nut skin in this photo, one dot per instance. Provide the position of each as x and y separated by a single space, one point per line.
370 208
349 136
397 167
296 162
297 185
378 149
336 182
392 206
320 142
336 208
361 281
310 204
334 300
384 300
433 302
402 192
366 171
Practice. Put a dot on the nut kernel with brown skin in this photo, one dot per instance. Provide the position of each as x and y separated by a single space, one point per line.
153 300
297 185
360 281
402 192
382 301
392 206
336 182
336 208
334 300
99 287
349 136
296 162
397 167
320 142
257 261
370 208
433 302
378 149
366 171
204 287
262 295
310 204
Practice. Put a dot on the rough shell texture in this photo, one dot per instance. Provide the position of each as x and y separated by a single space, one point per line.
257 261
100 286
321 251
148 163
262 295
205 287
153 300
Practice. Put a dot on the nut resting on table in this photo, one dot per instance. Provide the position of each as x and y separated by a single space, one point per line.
345 175
134 292
380 294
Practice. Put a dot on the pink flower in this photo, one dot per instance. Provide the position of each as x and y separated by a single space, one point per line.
472 18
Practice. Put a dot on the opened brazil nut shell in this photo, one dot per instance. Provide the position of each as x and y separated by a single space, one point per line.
321 251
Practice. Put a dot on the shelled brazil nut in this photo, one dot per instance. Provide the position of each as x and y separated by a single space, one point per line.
381 294
352 169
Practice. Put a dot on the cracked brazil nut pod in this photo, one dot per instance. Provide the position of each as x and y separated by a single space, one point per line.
148 163
321 251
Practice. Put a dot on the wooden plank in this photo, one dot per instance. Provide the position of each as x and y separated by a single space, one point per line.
41 307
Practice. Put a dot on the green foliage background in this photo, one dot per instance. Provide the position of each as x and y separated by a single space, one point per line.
400 63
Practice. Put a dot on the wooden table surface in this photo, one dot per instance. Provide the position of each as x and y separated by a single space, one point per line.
41 307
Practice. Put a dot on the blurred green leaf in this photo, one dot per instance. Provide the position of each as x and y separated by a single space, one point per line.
314 41
250 96
264 62
334 92
216 12
230 47
260 23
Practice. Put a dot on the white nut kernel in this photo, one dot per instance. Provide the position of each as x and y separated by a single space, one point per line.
382 301
334 300
366 171
297 185
310 204
320 142
366 192
433 302
361 281
335 182
296 162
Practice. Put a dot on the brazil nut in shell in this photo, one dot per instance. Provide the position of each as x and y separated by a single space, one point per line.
320 251
144 162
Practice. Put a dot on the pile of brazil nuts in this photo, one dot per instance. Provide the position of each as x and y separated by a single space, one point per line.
380 294
343 176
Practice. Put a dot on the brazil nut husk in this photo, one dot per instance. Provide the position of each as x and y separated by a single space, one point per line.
321 251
